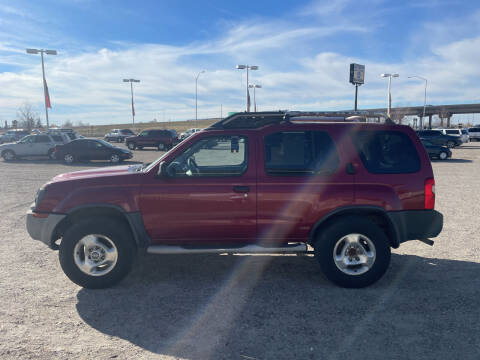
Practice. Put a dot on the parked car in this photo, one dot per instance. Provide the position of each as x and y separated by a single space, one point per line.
160 139
474 133
176 138
188 133
460 133
437 151
72 134
13 135
438 138
31 145
118 135
251 183
91 149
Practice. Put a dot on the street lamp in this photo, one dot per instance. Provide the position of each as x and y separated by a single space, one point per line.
45 88
389 93
251 67
254 86
424 98
131 81
196 95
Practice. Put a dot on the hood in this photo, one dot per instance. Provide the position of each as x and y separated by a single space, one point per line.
98 172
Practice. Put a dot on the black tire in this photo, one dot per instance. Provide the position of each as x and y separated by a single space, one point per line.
119 140
117 232
330 236
161 147
443 155
131 145
8 155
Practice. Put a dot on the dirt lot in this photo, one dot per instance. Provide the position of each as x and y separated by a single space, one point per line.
240 307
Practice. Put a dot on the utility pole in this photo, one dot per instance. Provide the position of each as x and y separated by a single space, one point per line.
131 81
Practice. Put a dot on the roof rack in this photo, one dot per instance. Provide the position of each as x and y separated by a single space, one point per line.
254 120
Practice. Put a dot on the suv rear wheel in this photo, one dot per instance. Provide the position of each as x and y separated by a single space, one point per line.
353 252
97 253
161 147
131 145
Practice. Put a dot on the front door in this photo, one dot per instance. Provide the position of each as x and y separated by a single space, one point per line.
208 195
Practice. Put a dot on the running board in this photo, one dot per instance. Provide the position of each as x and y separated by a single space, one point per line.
247 249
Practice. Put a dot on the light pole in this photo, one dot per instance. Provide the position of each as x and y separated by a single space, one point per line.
196 95
251 67
45 88
131 81
424 98
254 86
389 93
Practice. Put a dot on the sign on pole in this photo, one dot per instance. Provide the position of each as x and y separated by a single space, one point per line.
357 74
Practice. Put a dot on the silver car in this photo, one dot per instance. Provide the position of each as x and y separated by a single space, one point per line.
32 145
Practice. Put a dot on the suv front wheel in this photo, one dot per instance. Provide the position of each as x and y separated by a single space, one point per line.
131 145
97 253
353 252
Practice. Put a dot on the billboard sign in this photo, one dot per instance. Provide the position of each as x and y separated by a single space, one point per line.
357 74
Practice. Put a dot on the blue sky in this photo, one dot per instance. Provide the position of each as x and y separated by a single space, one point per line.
303 50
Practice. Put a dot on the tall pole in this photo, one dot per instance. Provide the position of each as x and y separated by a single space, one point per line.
196 96
247 67
356 94
44 90
248 102
133 111
389 97
221 111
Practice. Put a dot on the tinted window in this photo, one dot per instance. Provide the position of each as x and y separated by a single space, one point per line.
452 132
464 131
386 152
57 138
212 156
474 130
300 153
42 139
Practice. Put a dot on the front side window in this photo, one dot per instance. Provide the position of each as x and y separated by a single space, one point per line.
300 153
211 157
28 139
143 133
386 152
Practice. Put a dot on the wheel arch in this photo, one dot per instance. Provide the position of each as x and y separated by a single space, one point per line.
376 214
133 220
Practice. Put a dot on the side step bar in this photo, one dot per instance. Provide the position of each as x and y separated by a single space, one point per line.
247 249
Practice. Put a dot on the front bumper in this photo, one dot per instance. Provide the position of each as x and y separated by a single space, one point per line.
416 224
43 229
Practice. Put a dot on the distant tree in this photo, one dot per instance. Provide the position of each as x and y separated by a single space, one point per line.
27 117
14 124
38 125
67 124
6 125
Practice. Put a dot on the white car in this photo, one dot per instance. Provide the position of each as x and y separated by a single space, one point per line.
32 145
189 132
461 133
474 133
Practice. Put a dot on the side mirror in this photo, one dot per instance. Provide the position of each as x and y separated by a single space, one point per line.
162 169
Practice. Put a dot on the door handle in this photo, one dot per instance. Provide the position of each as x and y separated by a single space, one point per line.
241 189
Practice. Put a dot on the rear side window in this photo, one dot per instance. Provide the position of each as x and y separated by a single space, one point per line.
387 152
42 139
452 132
300 153
474 130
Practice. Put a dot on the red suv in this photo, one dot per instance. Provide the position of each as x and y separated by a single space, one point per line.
160 139
275 182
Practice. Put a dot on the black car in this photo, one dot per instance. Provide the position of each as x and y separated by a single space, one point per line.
436 137
436 151
91 149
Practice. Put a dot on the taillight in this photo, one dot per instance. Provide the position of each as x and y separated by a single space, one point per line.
429 193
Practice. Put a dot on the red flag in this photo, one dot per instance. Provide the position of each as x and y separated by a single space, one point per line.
47 95
133 108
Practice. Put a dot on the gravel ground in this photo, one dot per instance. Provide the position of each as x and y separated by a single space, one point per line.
245 307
